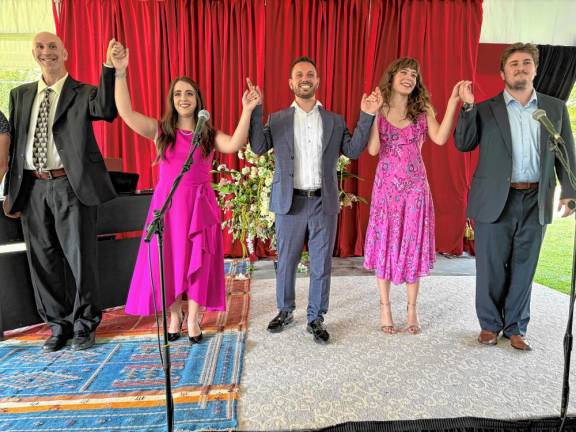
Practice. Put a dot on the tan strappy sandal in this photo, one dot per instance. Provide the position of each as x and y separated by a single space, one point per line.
387 329
413 329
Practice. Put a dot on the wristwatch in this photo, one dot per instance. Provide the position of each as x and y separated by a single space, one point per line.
467 106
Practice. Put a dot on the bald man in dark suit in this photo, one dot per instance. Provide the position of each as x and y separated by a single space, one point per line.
55 181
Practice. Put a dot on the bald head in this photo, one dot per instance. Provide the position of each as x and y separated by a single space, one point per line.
49 52
47 37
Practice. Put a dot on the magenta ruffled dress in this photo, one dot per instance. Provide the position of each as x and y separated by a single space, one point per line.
399 243
193 248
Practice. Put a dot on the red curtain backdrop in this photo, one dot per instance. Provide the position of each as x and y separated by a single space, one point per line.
444 36
219 43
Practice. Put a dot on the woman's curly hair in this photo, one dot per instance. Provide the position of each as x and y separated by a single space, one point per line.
418 100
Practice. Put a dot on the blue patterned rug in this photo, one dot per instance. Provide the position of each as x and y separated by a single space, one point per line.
119 384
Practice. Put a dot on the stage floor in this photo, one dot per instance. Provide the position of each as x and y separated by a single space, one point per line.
289 382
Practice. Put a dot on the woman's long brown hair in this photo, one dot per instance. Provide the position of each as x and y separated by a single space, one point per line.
418 100
168 123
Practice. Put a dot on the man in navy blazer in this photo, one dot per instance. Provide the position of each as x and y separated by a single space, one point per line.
512 191
307 141
56 188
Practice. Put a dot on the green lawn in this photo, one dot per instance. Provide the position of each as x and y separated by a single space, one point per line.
555 264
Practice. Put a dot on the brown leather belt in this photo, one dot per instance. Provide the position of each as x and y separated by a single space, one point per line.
308 193
48 174
524 186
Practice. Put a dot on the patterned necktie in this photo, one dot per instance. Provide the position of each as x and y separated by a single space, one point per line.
40 145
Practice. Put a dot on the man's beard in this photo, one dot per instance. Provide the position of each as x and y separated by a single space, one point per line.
521 84
305 94
518 85
302 95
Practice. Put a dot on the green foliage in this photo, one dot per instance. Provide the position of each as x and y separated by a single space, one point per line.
555 264
572 109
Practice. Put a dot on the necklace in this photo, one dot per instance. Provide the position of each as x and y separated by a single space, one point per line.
186 133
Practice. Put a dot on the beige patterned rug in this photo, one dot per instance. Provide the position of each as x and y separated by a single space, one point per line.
289 382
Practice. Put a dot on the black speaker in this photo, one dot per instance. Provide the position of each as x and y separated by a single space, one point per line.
124 183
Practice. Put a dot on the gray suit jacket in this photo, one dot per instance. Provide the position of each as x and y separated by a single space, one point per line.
487 126
336 139
79 105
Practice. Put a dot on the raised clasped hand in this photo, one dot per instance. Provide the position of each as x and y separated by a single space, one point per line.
372 103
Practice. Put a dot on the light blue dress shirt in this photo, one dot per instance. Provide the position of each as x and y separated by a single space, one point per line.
525 139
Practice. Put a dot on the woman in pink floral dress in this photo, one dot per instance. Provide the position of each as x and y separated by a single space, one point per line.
399 242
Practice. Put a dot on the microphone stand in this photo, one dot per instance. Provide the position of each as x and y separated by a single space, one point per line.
157 227
562 156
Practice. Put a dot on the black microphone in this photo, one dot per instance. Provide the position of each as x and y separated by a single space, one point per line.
540 116
203 117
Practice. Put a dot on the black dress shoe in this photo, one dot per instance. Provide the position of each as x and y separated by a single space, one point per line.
280 321
83 340
317 329
55 343
195 339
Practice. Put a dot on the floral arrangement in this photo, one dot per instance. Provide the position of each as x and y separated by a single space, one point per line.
346 199
244 196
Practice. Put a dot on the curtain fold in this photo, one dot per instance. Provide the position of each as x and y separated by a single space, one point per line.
556 71
220 43
444 37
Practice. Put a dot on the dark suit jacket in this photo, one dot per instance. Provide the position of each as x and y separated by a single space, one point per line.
78 105
487 126
336 139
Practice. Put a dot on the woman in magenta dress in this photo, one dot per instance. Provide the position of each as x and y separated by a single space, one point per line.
193 250
399 243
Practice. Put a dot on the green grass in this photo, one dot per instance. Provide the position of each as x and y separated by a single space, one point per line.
555 263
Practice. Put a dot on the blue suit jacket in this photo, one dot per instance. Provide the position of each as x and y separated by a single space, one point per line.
336 139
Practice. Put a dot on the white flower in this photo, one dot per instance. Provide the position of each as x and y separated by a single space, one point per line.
245 170
240 154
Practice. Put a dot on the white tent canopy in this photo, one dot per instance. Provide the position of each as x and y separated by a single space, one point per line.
544 22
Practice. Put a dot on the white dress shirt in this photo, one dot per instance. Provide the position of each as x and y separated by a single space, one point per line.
54 161
307 148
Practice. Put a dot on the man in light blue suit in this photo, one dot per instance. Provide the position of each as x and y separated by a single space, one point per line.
307 141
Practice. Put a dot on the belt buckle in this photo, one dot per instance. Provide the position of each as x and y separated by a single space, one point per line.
309 193
43 173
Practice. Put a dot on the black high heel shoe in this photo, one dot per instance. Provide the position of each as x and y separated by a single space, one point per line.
196 339
175 336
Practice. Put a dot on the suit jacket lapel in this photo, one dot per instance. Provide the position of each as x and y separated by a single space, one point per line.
66 97
327 128
501 114
288 131
27 102
544 146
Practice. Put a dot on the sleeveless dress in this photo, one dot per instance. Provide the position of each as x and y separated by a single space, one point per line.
193 248
399 243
